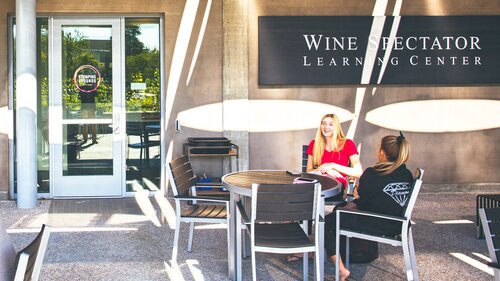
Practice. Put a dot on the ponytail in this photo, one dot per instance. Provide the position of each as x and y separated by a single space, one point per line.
397 152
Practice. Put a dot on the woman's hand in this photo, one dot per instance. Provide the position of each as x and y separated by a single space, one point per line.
324 168
334 173
329 168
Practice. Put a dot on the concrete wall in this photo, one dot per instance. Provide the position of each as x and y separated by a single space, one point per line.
459 157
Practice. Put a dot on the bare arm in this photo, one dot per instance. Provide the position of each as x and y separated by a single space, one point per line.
310 166
355 170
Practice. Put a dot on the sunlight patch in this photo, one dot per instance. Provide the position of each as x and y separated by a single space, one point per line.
438 116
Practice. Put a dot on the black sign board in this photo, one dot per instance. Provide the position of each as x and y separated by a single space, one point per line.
353 50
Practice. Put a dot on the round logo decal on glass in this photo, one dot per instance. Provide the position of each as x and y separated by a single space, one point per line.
87 78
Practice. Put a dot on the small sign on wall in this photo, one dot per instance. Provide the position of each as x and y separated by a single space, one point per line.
353 50
138 86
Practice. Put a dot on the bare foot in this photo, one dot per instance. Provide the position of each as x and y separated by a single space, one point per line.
297 257
344 274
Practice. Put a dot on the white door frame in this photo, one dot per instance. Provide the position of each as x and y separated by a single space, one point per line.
96 185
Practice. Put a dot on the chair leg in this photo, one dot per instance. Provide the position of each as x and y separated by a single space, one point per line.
238 245
176 240
254 264
140 160
191 233
305 265
347 250
317 274
413 256
407 257
321 239
227 244
244 242
337 248
320 248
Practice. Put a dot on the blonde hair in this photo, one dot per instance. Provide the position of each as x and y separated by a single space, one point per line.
397 152
338 139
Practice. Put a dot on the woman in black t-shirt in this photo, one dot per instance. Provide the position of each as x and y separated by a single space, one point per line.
383 188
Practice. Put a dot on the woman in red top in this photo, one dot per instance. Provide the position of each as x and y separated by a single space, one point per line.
330 152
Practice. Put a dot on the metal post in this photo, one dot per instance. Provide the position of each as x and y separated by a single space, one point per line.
26 103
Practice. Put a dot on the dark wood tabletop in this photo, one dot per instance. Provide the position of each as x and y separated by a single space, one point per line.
241 182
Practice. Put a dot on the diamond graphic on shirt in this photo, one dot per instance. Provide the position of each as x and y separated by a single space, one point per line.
398 191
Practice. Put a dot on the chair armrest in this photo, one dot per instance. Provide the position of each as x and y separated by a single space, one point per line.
371 214
243 213
336 203
205 184
202 198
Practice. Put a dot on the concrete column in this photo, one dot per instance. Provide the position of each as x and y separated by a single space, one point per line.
235 77
26 103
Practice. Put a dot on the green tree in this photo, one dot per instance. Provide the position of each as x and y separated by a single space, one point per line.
133 45
143 66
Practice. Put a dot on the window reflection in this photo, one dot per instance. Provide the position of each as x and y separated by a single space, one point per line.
43 98
87 98
142 94
142 85
43 104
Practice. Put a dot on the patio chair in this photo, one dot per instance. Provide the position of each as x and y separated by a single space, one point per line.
485 201
29 260
274 224
137 129
490 220
189 207
403 239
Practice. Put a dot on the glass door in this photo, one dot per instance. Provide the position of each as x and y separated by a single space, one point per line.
86 108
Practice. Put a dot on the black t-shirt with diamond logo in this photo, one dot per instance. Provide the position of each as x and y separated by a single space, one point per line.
385 194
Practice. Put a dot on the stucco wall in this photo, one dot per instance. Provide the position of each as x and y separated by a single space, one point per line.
460 157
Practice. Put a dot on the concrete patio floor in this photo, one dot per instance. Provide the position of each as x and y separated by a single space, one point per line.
124 240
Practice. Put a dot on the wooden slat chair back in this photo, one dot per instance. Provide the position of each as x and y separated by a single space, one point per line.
277 203
274 225
182 176
304 157
490 220
189 207
29 260
404 239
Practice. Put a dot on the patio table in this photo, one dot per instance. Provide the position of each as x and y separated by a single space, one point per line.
240 184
